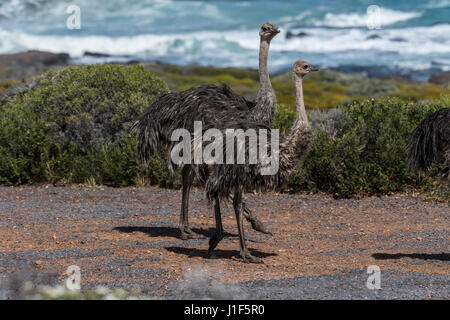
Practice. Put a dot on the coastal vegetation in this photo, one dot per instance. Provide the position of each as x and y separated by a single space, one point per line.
323 90
72 126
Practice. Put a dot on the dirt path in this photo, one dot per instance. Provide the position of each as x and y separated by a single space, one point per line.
321 247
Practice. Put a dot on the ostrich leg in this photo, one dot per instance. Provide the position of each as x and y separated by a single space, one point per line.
250 217
186 233
256 224
218 235
239 212
187 179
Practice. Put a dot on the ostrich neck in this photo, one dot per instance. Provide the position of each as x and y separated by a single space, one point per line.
264 79
266 101
301 125
299 100
298 141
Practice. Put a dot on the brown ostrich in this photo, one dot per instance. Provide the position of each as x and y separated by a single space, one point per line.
209 104
221 180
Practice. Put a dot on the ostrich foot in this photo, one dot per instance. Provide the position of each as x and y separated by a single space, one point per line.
187 234
248 258
256 224
259 226
250 217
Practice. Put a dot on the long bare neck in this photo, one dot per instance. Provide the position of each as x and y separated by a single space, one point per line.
264 79
266 102
300 136
299 100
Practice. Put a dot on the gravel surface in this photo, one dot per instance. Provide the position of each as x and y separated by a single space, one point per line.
129 238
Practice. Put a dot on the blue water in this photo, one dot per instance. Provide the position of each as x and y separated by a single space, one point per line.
414 36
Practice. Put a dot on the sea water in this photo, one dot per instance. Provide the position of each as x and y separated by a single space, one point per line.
410 36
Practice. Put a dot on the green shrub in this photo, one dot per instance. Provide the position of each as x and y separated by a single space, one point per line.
73 125
368 155
283 119
371 88
331 121
23 146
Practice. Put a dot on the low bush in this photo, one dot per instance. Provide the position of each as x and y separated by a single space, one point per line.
73 125
368 155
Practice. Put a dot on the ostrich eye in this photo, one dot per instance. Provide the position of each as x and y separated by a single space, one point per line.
305 66
265 28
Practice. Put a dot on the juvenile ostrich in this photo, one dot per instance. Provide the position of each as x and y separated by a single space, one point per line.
430 139
222 179
209 104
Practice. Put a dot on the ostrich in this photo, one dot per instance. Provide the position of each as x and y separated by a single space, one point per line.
220 180
428 140
209 104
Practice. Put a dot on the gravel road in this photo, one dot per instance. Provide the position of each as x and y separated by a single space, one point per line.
320 248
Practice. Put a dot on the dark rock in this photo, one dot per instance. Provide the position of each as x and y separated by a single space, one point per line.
440 63
302 34
398 39
32 58
373 36
24 64
96 54
442 78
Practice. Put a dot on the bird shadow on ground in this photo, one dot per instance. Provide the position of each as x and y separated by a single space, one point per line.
219 254
168 231
421 256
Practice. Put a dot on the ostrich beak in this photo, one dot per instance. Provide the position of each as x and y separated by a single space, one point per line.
277 30
314 69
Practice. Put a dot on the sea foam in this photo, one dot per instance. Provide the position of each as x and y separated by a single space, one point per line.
386 17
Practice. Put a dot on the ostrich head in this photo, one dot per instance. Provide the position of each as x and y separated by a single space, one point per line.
268 31
302 68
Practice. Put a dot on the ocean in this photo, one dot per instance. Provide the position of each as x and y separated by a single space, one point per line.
409 37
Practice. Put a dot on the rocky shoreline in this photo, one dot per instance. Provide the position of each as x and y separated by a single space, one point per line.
327 89
18 66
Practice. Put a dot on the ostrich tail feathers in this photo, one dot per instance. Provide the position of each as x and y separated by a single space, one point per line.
148 136
428 140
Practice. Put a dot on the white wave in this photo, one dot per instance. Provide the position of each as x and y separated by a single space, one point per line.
386 17
422 65
438 4
198 42
239 48
417 41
